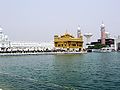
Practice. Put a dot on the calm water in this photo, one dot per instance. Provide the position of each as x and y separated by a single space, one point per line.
92 71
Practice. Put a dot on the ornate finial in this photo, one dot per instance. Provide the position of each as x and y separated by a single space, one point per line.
102 25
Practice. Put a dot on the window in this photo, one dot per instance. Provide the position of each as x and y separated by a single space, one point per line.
74 44
56 45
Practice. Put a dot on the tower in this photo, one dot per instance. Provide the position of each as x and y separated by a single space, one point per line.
1 34
1 30
78 32
102 28
88 36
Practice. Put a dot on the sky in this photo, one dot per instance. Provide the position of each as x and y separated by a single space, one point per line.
40 20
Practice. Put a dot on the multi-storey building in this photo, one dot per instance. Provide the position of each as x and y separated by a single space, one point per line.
68 42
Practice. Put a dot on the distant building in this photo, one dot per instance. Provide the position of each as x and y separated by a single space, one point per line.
103 35
47 45
105 40
68 42
117 43
88 36
27 46
6 45
4 41
109 42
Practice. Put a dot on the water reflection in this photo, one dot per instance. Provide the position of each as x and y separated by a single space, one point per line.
58 72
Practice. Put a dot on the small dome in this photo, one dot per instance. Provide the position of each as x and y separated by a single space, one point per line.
78 28
102 25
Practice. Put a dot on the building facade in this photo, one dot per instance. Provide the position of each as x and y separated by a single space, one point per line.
103 36
4 42
25 46
68 42
6 45
117 43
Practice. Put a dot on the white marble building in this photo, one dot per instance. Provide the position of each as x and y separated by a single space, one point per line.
26 46
5 44
4 41
47 45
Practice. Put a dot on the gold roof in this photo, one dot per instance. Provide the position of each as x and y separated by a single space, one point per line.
67 36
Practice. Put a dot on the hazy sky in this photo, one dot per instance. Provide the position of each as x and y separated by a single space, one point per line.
39 20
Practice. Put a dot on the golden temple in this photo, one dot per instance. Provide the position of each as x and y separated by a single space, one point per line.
69 42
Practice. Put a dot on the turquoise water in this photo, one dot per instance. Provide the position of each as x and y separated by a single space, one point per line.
91 71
